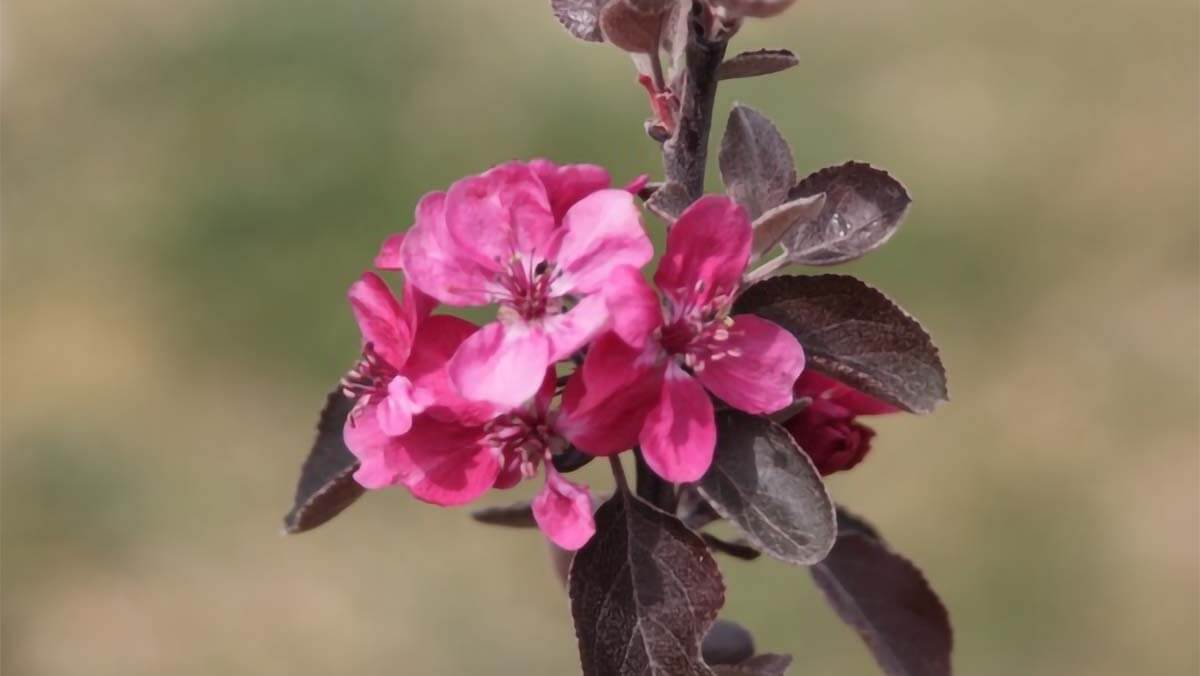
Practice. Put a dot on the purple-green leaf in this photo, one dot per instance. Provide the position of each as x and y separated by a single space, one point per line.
759 62
755 160
580 17
327 484
854 334
765 485
863 208
644 591
887 600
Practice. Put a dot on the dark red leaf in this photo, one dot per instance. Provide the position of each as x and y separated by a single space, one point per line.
755 160
854 334
644 591
763 483
863 208
887 600
327 484
760 62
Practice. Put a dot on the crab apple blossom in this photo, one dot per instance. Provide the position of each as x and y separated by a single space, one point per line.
453 460
401 373
536 239
646 381
827 428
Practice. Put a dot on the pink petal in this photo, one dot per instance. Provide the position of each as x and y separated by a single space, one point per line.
438 338
572 330
707 251
403 401
545 393
501 364
432 261
602 232
818 386
380 319
761 363
569 183
563 511
633 306
445 463
680 434
606 401
388 257
363 436
499 214
637 185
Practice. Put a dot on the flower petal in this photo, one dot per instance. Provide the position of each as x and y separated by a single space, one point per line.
563 511
501 364
606 401
707 251
445 463
380 319
499 214
388 257
432 262
572 330
760 364
680 434
602 232
569 183
374 449
633 306
819 386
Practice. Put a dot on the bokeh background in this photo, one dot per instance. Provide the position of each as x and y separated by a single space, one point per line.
190 186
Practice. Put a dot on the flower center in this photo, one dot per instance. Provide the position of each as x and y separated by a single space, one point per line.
697 336
527 289
523 440
369 377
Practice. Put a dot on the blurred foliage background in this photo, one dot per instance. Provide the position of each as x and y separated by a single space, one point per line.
189 187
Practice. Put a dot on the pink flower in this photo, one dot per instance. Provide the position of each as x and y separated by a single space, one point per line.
454 460
645 381
402 370
531 238
827 429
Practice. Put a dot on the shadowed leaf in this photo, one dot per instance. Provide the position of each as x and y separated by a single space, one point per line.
644 591
727 643
863 209
693 510
327 484
760 62
767 664
738 549
580 17
886 599
756 8
756 162
669 201
762 482
516 515
854 334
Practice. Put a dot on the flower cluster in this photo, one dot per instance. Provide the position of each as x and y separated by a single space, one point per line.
583 351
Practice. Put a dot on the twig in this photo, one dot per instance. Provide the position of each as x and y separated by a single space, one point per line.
685 153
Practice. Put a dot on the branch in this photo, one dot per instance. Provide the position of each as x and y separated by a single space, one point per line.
685 153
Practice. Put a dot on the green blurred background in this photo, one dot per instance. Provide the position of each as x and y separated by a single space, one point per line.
190 186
